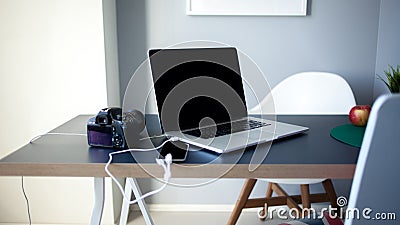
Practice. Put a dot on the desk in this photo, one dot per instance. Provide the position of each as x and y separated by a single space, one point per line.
313 154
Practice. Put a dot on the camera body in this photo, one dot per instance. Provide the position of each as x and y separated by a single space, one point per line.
106 129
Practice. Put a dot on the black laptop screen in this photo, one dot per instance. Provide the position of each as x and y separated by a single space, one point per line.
196 87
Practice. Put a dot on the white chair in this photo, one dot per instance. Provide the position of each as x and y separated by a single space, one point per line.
374 184
307 93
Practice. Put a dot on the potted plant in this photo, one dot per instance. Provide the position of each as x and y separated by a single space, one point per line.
393 79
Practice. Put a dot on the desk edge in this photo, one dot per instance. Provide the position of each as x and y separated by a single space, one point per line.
340 171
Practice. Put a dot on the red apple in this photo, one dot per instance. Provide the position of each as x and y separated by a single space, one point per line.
359 115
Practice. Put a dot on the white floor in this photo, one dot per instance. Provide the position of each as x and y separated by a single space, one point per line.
192 218
198 218
248 217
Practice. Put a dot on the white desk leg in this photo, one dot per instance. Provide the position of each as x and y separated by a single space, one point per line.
125 205
132 185
97 212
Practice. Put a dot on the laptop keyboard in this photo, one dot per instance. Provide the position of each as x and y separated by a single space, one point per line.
226 128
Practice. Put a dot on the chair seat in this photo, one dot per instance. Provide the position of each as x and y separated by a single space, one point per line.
295 181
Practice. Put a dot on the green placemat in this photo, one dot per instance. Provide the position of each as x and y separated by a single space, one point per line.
349 134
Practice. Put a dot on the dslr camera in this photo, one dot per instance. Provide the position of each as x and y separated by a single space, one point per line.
106 129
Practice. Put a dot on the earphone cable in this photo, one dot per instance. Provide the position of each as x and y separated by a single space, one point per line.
165 163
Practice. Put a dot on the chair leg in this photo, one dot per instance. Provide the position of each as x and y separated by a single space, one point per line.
269 190
268 194
241 202
305 197
291 203
330 191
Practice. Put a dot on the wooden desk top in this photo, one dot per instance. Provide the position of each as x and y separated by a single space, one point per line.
311 155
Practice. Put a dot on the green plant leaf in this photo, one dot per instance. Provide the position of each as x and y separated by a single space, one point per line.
393 78
384 81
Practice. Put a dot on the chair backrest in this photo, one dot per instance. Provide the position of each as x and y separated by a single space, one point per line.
308 93
375 183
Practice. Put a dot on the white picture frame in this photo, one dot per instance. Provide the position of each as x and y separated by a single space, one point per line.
246 7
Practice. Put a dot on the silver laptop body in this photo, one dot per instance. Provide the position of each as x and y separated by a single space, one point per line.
200 100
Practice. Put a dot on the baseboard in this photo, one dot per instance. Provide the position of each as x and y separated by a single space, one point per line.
221 208
191 208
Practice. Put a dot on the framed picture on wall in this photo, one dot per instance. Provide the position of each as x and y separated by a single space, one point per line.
247 7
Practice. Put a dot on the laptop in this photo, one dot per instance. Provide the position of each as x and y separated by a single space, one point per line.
201 101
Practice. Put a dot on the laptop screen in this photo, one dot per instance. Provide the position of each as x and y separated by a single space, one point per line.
197 87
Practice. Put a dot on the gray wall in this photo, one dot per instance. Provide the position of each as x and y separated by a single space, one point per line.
388 47
111 53
132 38
338 36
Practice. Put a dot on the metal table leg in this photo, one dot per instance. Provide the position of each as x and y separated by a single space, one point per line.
125 205
97 212
131 185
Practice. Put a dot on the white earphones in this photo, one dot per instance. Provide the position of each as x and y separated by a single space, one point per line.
164 163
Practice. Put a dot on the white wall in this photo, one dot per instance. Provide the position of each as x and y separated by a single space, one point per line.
52 68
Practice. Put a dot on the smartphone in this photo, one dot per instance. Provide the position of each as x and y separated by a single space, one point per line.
177 149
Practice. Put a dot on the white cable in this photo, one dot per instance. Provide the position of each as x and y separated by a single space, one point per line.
157 136
164 163
27 200
40 135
